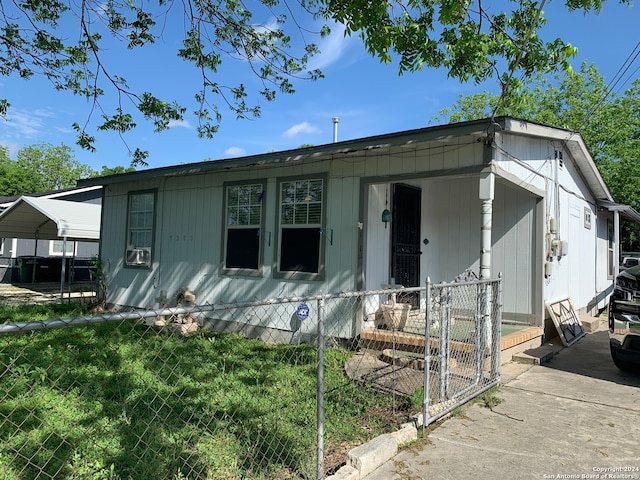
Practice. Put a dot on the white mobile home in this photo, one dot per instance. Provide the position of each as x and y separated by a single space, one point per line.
492 196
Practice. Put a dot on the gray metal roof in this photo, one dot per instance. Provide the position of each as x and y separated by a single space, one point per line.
477 128
48 219
626 212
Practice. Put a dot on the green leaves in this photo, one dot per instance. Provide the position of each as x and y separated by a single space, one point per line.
34 43
473 42
579 101
38 168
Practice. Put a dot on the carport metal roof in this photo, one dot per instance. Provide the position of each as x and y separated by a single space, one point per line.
47 219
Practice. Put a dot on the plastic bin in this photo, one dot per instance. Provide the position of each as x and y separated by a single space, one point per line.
25 268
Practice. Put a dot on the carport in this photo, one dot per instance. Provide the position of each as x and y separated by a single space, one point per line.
48 219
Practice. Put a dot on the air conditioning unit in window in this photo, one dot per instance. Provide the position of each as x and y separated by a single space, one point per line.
138 256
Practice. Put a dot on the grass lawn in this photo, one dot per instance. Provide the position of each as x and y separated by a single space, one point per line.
121 401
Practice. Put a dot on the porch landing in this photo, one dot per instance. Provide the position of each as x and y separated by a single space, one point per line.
524 338
523 344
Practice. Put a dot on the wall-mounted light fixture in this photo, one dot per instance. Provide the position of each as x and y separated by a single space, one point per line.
386 213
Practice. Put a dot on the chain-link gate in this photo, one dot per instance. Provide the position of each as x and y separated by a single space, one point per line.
463 331
275 389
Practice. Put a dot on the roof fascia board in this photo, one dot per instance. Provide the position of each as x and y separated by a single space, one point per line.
440 133
71 191
626 211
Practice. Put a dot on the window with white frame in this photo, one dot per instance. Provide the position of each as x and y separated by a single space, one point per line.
57 247
243 225
140 228
300 216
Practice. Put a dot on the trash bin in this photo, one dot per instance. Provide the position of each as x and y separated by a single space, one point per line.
54 269
25 268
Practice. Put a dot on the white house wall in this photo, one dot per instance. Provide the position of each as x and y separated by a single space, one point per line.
188 241
514 250
189 231
451 224
550 168
604 271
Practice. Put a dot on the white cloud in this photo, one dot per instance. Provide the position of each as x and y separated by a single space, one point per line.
304 127
26 123
332 48
271 26
12 147
179 123
235 152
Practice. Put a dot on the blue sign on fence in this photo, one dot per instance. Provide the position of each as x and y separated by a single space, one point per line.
302 311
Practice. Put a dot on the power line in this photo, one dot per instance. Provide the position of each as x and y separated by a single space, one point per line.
617 78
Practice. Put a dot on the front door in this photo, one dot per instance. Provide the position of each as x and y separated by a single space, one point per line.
405 239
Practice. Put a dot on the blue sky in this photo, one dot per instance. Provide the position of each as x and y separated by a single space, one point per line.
369 98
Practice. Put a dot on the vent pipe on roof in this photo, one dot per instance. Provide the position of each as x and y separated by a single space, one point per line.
335 129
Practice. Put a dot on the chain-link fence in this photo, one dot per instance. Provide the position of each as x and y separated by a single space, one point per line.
459 321
276 389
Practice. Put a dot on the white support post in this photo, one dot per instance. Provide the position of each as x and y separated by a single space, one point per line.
487 192
487 188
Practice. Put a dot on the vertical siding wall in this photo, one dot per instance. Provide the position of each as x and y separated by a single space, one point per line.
189 233
189 239
548 166
514 249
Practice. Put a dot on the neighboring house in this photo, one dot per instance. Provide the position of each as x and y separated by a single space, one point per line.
29 227
500 196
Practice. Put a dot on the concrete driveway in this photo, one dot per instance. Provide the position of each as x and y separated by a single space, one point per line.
576 416
44 292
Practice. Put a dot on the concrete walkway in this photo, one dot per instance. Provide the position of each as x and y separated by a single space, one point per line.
576 416
29 293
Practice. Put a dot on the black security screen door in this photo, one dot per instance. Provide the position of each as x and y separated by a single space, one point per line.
405 243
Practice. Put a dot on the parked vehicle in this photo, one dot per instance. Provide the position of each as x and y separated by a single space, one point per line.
624 320
628 262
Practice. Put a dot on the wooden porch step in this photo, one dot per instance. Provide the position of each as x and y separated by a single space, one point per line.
415 342
521 336
410 341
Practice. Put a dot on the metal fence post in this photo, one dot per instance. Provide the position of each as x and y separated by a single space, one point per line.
483 327
496 310
427 357
320 393
444 344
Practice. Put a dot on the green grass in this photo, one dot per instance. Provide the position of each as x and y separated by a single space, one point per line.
121 401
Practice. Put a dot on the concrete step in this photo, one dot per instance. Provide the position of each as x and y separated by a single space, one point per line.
537 356
518 342
592 324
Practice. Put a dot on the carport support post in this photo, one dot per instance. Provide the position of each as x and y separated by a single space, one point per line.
35 252
64 267
486 194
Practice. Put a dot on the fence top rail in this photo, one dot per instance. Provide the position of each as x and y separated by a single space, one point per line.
141 314
464 283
